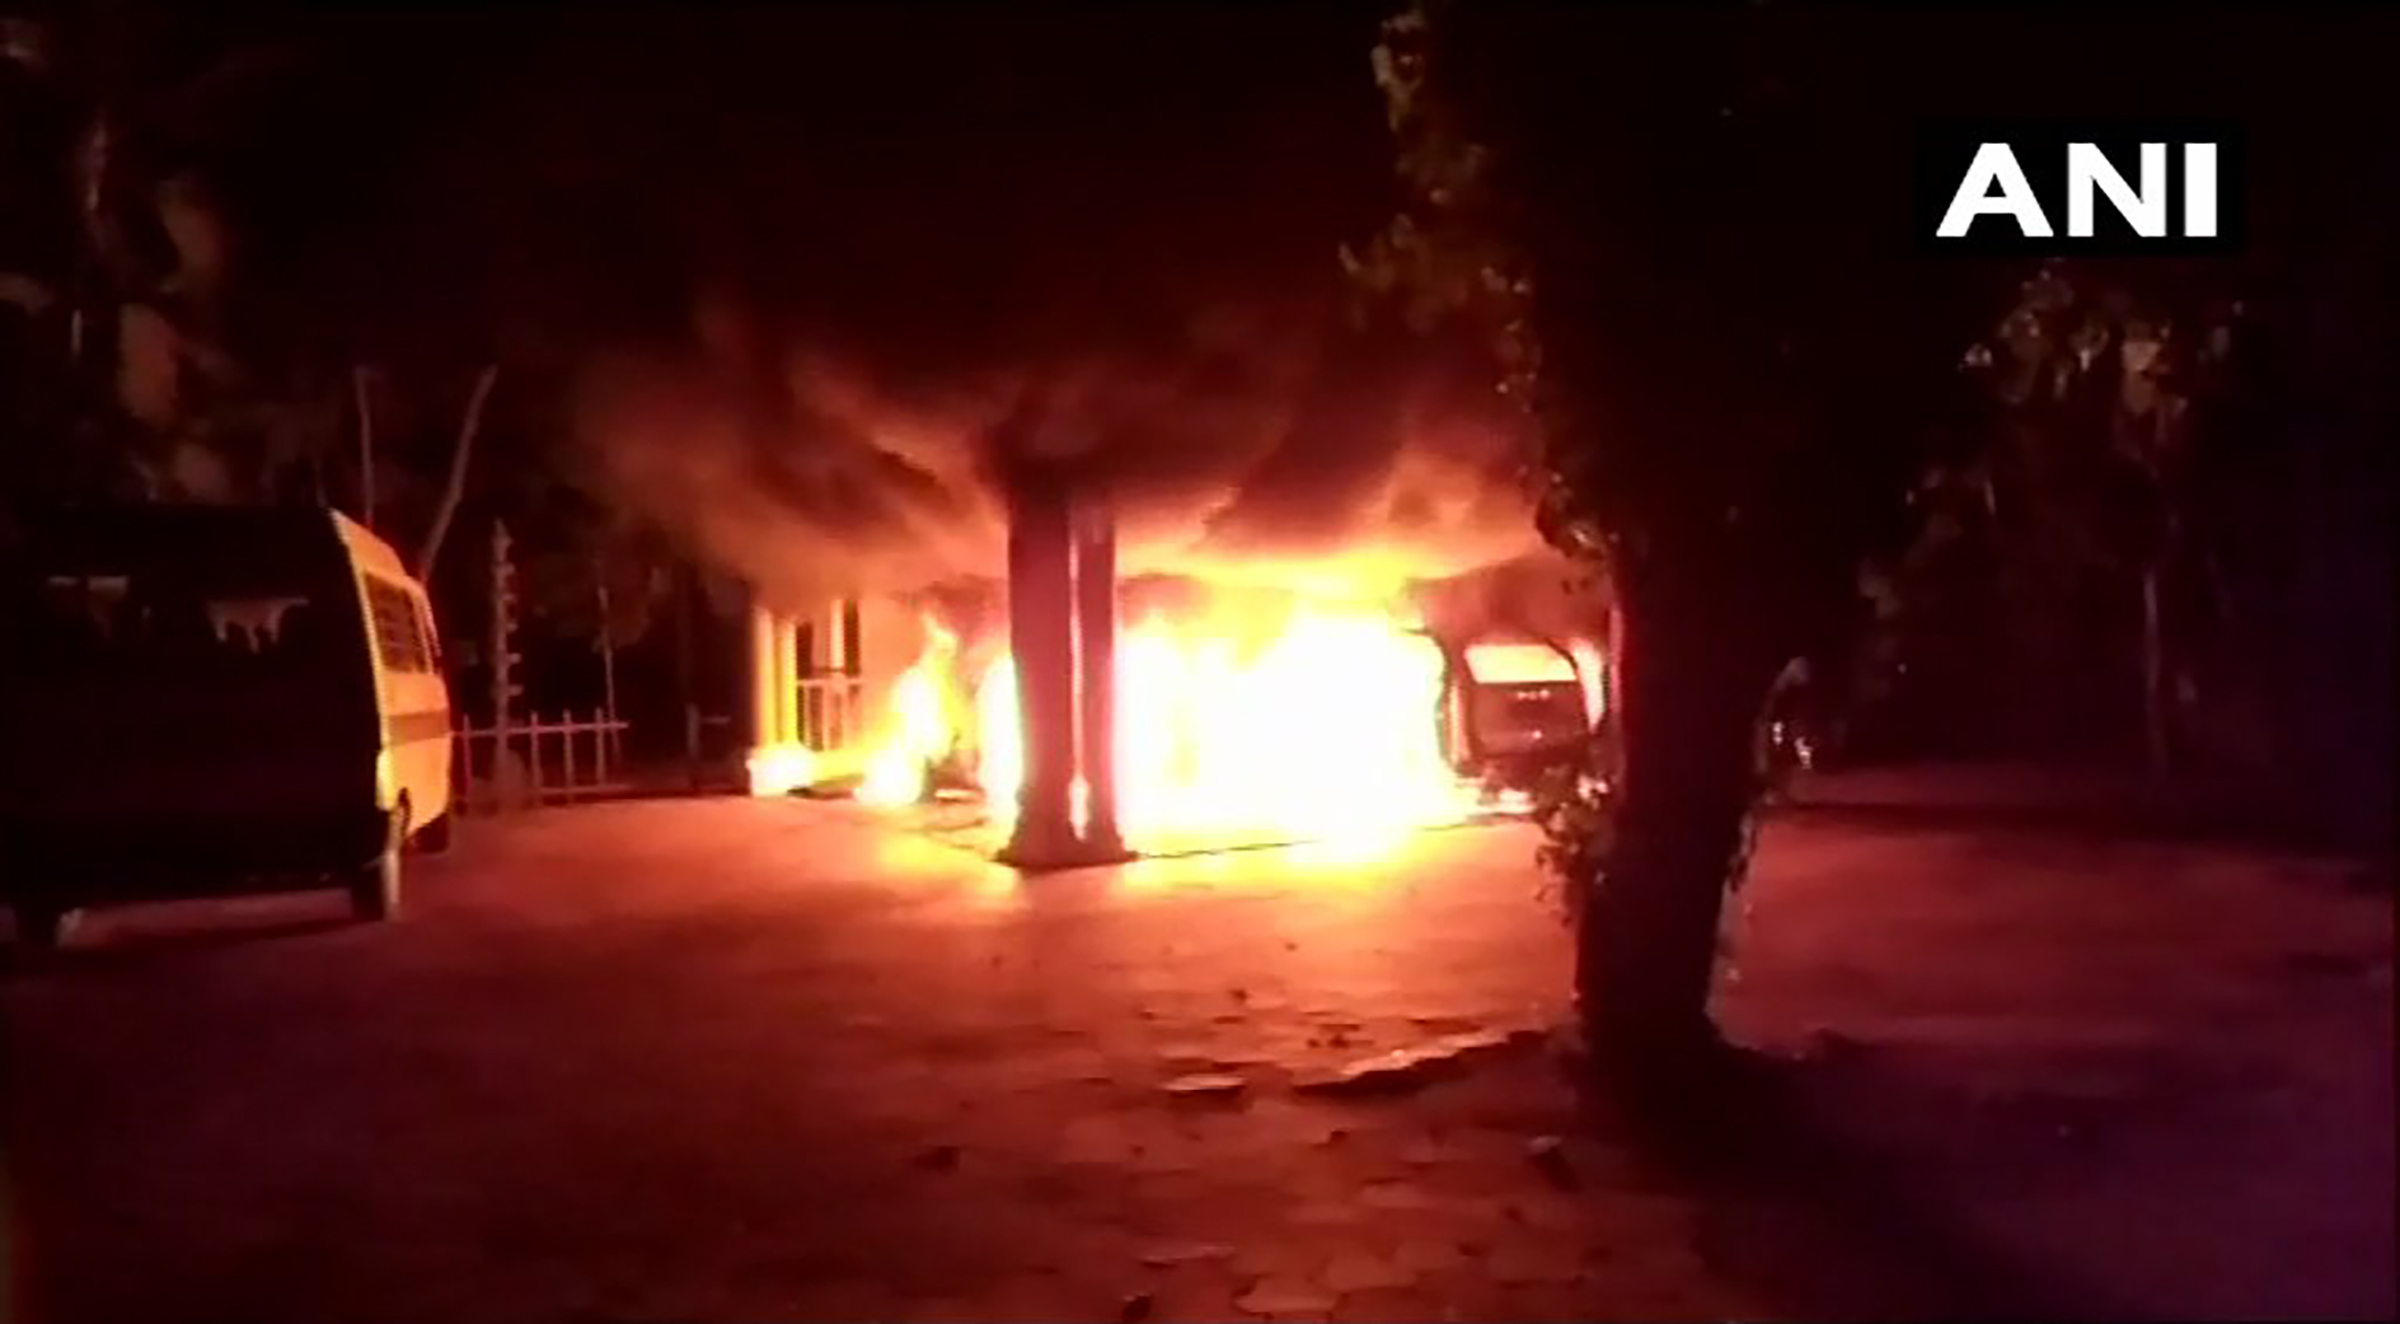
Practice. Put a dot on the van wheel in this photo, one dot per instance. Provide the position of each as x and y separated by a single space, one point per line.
434 837
44 927
375 887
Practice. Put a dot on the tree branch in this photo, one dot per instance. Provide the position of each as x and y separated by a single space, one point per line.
456 486
366 445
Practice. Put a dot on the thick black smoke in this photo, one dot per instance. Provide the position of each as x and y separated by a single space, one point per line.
1103 245
1280 460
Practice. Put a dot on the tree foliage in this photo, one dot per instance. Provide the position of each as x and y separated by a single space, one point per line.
1684 233
1729 388
189 307
1680 232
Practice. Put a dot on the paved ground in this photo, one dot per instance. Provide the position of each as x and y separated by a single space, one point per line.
742 1060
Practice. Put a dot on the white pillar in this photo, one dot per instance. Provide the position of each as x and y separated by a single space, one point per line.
787 681
845 724
777 763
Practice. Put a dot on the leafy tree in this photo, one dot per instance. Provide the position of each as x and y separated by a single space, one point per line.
116 263
2087 508
1682 231
153 351
1735 394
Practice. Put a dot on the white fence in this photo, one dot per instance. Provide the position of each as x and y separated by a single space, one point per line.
540 761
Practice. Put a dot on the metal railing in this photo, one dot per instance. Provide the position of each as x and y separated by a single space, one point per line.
540 761
832 710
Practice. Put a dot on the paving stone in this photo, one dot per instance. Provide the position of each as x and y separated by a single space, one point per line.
1358 1271
1403 1070
1396 1195
1548 1154
708 1062
1298 1258
1278 1298
1545 1211
1102 1138
938 1158
1425 1153
1167 1254
1205 1299
1386 1306
1420 1256
1517 1263
1206 1087
1152 1161
1326 1213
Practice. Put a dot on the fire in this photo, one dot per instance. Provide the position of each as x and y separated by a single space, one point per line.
780 769
999 738
1327 730
920 733
1321 722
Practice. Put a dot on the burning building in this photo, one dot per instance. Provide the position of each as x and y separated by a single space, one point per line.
1268 586
1093 716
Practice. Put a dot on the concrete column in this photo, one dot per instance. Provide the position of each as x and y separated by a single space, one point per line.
1096 675
787 681
1041 636
766 713
848 717
776 763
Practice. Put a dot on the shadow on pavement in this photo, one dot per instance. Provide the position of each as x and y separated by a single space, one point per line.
2195 823
1816 1223
148 945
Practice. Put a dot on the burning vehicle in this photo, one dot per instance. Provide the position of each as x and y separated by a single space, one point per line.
1514 707
1215 713
1216 587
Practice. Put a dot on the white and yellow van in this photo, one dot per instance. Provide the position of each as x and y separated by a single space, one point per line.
198 700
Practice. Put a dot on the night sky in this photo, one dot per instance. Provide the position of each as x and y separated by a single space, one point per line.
1138 210
745 239
590 169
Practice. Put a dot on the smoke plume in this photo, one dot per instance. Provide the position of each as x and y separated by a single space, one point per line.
1273 445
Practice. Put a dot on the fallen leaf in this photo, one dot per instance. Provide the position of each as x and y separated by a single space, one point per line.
1167 1255
1549 1157
1215 1086
1272 1296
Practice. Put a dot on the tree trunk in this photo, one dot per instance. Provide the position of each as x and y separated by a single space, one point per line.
366 444
687 591
608 656
1695 671
2155 736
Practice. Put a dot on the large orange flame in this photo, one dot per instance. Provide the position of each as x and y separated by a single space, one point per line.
919 731
1322 722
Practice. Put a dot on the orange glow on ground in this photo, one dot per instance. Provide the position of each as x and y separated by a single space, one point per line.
780 769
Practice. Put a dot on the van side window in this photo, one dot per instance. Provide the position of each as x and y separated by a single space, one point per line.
399 635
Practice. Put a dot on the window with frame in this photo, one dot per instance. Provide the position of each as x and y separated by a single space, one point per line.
399 635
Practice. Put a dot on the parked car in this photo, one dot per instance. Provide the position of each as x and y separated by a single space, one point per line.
1515 707
203 700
